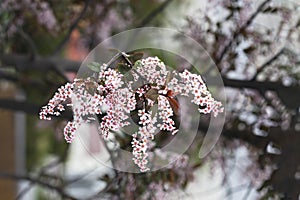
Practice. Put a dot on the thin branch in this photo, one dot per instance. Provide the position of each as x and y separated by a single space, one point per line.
29 108
237 189
148 19
42 172
250 187
30 42
238 32
261 86
43 64
103 14
57 189
72 28
154 13
267 63
80 177
217 189
24 191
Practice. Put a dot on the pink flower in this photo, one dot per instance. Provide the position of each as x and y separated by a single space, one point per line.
110 95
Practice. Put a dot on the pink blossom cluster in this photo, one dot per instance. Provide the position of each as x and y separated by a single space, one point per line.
165 114
114 99
54 105
88 97
184 83
153 70
195 86
140 141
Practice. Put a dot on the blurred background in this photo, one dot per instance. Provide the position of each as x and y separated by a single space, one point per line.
255 45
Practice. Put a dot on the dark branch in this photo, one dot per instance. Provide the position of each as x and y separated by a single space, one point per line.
154 13
261 86
43 170
72 28
30 42
24 191
45 184
23 106
27 107
239 31
267 63
43 64
283 92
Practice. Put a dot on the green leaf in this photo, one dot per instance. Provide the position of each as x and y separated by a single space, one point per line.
94 66
123 68
152 94
137 64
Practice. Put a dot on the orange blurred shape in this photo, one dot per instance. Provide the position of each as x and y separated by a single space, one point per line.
75 49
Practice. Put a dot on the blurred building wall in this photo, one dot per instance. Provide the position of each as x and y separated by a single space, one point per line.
7 144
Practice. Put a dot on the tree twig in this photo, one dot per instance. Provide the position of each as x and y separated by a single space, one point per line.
267 63
45 184
42 172
43 64
24 191
154 13
250 187
72 28
30 42
29 108
238 32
